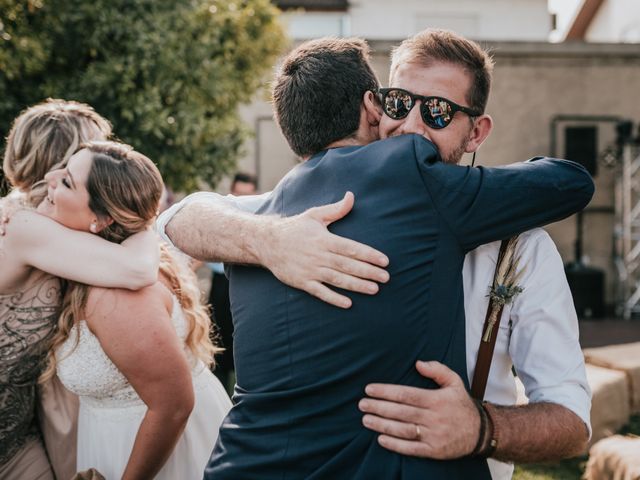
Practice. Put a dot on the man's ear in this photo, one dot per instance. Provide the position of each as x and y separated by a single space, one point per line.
482 127
372 108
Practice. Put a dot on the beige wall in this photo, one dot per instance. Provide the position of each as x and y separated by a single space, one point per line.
533 82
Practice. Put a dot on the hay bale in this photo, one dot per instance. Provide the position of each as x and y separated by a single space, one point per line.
625 358
614 458
610 401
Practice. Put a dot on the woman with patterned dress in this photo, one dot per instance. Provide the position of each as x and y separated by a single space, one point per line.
27 320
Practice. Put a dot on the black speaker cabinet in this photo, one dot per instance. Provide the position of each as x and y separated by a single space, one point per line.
587 289
581 145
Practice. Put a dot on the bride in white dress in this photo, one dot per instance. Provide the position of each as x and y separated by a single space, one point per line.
149 406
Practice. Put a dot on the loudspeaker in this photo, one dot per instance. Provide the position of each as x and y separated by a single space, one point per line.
623 132
581 145
587 289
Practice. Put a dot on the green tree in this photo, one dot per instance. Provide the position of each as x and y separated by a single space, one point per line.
169 74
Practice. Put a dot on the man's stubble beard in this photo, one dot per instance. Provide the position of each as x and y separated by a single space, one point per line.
456 155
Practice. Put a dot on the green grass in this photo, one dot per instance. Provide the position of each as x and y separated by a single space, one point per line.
571 469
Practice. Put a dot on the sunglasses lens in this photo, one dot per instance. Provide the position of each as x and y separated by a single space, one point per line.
397 104
437 112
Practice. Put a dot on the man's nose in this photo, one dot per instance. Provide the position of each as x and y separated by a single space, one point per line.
413 123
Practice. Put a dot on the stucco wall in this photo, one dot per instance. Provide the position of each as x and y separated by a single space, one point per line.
531 88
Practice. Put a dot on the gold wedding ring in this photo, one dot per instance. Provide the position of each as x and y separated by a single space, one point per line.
418 433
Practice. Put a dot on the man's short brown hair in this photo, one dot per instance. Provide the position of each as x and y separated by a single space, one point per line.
318 91
434 45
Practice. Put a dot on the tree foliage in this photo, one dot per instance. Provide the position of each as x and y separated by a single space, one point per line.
168 74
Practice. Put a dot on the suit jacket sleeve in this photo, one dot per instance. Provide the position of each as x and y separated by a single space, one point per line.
482 205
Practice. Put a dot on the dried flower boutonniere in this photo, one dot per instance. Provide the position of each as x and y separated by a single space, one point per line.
505 283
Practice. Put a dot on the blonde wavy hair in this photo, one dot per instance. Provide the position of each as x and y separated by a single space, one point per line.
44 136
126 186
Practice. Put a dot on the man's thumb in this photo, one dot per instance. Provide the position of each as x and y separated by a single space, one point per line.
328 214
439 373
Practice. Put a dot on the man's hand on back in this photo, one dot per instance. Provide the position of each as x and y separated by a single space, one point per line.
299 250
302 253
442 423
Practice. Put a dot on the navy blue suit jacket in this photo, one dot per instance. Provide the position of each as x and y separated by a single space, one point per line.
302 365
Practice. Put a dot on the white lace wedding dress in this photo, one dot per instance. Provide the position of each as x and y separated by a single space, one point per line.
111 411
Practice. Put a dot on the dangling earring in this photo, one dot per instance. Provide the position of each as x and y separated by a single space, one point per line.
93 228
473 160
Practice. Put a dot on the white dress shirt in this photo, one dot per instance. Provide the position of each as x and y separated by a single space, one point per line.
538 333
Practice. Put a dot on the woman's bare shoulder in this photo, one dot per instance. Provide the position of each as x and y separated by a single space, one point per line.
123 305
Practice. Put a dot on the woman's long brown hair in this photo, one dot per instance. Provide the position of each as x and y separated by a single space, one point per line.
126 186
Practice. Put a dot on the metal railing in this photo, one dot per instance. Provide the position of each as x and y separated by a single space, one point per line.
627 231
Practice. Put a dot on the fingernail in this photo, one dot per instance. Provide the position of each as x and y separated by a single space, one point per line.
372 288
369 390
363 404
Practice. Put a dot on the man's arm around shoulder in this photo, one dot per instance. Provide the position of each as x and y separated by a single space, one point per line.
298 250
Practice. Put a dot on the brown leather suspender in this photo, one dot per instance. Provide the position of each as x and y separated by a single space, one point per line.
485 352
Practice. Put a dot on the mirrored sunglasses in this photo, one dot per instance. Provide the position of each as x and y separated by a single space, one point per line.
436 112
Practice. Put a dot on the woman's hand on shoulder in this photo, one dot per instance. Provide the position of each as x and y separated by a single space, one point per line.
22 231
8 208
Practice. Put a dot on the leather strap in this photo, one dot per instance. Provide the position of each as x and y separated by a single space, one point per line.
485 352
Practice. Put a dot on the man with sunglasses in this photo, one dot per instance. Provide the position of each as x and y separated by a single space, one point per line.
539 331
302 365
